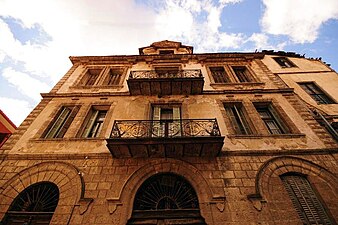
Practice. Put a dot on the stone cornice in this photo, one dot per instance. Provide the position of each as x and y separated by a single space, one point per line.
205 92
132 59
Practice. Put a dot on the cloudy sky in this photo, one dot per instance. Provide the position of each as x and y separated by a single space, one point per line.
38 36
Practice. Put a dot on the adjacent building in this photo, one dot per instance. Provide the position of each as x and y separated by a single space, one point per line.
7 127
173 137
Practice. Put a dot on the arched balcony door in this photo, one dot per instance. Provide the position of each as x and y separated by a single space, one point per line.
34 205
166 198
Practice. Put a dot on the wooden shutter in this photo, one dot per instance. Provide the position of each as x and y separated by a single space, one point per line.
58 123
305 201
67 122
90 123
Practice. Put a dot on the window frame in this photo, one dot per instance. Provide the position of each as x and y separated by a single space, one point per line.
85 77
239 121
92 120
162 127
316 93
230 75
274 116
305 199
284 62
59 126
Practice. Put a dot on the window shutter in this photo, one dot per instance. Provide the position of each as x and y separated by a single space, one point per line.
90 122
176 113
54 129
67 122
305 201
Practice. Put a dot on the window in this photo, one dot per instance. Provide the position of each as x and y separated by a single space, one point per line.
304 199
166 198
113 76
166 52
237 118
34 205
284 62
90 76
166 121
316 93
61 123
94 122
219 74
270 118
242 73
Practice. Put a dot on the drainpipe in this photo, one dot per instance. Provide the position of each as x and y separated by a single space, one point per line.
327 125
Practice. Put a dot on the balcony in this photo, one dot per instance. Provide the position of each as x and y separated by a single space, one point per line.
165 138
165 82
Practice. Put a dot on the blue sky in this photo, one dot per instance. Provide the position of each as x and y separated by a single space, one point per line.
37 38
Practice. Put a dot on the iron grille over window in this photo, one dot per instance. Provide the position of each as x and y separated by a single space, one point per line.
304 199
165 191
35 205
316 93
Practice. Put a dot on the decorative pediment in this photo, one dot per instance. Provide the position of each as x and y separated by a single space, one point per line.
156 47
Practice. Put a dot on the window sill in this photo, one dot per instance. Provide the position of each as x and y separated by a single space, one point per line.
260 136
97 86
66 139
239 84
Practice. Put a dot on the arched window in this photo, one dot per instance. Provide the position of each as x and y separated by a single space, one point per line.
166 197
305 200
34 205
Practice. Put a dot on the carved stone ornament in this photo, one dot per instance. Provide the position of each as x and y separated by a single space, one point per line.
84 204
219 202
112 205
256 201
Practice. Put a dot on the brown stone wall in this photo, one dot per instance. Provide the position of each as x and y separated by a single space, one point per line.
231 189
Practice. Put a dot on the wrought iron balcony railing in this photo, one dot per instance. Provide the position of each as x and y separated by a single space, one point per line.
165 128
147 74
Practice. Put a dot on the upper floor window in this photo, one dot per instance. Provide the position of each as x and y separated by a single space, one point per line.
61 122
237 117
242 74
284 62
90 76
271 119
94 122
113 76
166 52
219 75
231 74
316 93
308 206
166 120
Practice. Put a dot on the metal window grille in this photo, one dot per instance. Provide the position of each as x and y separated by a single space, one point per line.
307 204
35 205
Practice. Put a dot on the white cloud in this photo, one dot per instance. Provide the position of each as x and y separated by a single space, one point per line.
299 19
15 109
25 84
196 22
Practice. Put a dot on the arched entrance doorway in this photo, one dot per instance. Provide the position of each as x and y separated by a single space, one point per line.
166 198
34 205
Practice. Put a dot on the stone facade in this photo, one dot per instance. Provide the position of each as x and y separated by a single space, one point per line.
241 185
